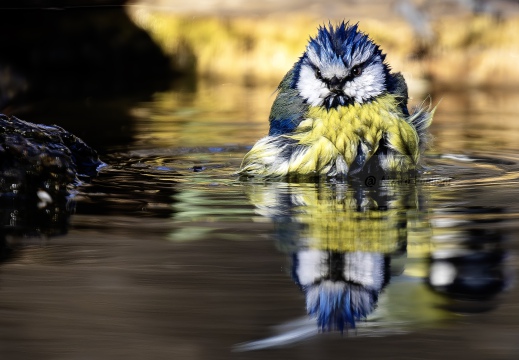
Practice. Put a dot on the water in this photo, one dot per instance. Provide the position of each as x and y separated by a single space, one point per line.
170 255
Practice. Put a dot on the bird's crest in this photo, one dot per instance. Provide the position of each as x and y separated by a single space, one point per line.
343 42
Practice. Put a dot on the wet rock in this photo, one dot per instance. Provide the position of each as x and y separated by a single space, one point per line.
40 165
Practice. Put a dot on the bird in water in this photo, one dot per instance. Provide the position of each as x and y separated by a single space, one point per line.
340 111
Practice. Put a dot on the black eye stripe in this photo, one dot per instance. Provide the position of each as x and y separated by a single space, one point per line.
354 72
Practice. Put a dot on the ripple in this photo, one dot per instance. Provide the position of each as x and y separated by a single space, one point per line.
475 169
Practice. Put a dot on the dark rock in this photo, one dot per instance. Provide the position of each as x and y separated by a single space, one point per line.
39 167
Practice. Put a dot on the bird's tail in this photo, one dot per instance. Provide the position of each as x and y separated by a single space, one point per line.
421 118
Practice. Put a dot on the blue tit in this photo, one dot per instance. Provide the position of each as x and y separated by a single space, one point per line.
340 111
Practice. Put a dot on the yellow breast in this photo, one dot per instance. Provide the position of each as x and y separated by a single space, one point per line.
328 141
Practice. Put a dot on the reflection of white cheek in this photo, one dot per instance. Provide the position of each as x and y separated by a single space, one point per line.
364 268
312 266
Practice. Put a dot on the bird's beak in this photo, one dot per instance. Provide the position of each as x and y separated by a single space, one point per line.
335 85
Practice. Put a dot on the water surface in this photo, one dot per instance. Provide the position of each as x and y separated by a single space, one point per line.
170 255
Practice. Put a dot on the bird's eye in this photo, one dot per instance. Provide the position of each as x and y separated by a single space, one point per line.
356 71
318 74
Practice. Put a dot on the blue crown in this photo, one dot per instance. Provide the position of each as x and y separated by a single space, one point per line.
339 43
343 41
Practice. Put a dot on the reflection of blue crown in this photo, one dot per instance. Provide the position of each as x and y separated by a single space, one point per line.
339 304
340 288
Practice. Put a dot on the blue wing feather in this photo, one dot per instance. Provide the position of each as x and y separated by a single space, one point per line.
288 109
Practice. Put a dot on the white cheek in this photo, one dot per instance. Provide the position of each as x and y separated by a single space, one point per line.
310 88
367 85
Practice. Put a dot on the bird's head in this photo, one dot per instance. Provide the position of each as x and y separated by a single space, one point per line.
341 66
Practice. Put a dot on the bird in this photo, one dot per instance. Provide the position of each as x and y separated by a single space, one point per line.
340 111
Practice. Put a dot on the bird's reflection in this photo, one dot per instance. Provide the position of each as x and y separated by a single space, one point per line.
340 287
341 239
346 242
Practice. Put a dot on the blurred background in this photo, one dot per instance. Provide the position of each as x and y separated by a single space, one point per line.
450 43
